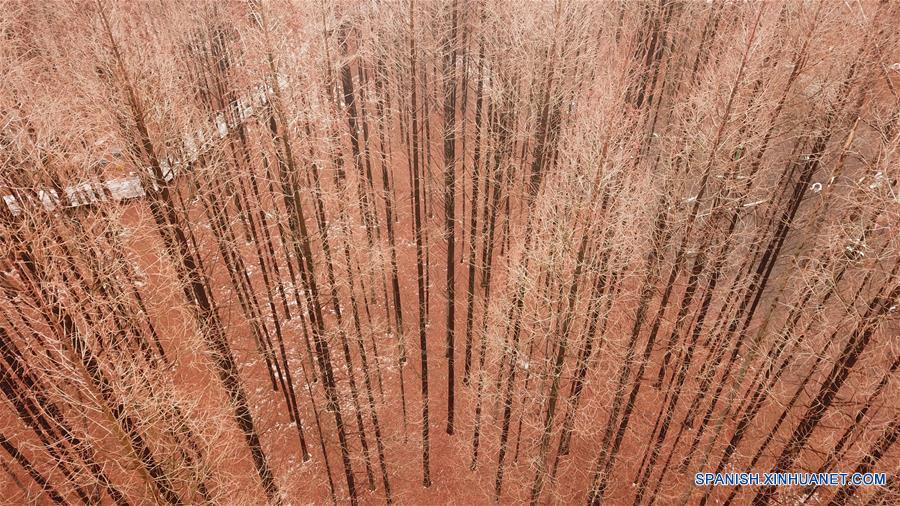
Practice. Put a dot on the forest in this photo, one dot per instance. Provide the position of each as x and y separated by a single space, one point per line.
448 251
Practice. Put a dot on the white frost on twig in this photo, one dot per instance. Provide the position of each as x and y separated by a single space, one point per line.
753 204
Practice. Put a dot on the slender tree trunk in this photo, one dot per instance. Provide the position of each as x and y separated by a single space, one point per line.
450 206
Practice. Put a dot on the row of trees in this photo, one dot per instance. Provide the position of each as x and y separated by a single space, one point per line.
604 246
